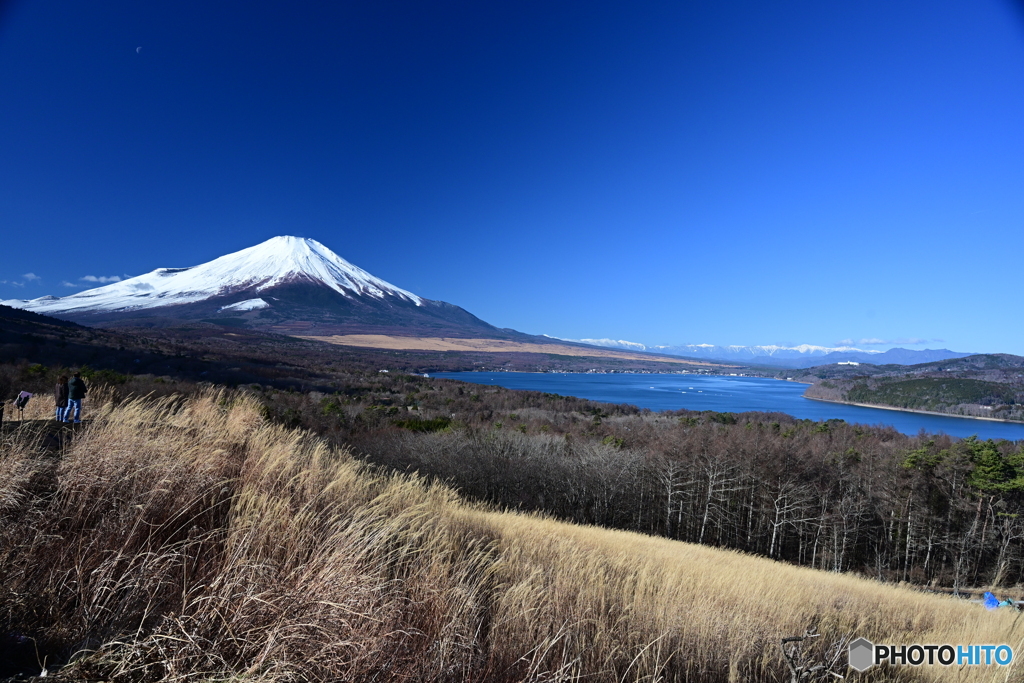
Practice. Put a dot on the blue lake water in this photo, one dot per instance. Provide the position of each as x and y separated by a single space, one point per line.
731 394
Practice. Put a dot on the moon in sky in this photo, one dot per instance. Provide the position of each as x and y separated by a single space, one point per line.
138 49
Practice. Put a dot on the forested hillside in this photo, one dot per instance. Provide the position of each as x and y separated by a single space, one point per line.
978 386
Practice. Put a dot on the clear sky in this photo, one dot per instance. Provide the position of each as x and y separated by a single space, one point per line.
663 172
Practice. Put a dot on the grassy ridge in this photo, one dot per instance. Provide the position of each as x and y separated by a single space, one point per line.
190 538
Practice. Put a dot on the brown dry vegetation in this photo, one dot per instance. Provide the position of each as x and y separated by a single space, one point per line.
191 539
383 341
925 509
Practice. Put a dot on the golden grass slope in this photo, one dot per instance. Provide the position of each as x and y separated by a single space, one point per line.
383 341
190 539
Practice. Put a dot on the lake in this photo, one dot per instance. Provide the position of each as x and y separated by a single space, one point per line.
731 394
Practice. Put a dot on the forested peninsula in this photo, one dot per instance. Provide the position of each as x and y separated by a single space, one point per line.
987 386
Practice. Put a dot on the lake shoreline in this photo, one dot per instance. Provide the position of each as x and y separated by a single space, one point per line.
726 393
911 410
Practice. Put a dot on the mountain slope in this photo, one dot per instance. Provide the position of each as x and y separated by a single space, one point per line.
285 284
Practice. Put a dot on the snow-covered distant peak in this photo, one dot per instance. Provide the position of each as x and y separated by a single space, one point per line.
766 350
610 343
808 349
277 261
731 351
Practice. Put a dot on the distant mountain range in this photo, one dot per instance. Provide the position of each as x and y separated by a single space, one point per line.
803 356
286 284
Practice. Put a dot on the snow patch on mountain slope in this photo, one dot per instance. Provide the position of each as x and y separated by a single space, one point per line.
247 305
277 261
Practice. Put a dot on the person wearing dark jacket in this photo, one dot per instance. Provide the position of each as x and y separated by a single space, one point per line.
60 397
76 392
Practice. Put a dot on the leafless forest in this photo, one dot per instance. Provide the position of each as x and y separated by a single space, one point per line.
828 495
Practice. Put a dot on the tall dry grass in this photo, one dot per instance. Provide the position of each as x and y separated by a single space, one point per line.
42 407
190 539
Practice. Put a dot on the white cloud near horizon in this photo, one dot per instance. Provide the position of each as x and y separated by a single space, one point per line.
31 276
102 278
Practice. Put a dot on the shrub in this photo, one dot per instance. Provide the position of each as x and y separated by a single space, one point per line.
416 424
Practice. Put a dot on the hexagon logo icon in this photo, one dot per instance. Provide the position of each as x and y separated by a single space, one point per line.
862 654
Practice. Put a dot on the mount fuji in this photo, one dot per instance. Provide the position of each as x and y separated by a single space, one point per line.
286 284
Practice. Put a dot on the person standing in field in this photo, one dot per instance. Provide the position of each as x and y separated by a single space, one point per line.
60 397
76 392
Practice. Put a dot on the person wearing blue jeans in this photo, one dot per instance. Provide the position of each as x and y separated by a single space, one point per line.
60 398
76 392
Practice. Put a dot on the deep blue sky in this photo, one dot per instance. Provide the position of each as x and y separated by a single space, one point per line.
725 172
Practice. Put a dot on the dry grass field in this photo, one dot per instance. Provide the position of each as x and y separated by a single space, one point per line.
382 341
191 539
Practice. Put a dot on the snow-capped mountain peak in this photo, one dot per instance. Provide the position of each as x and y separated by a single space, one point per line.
278 261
